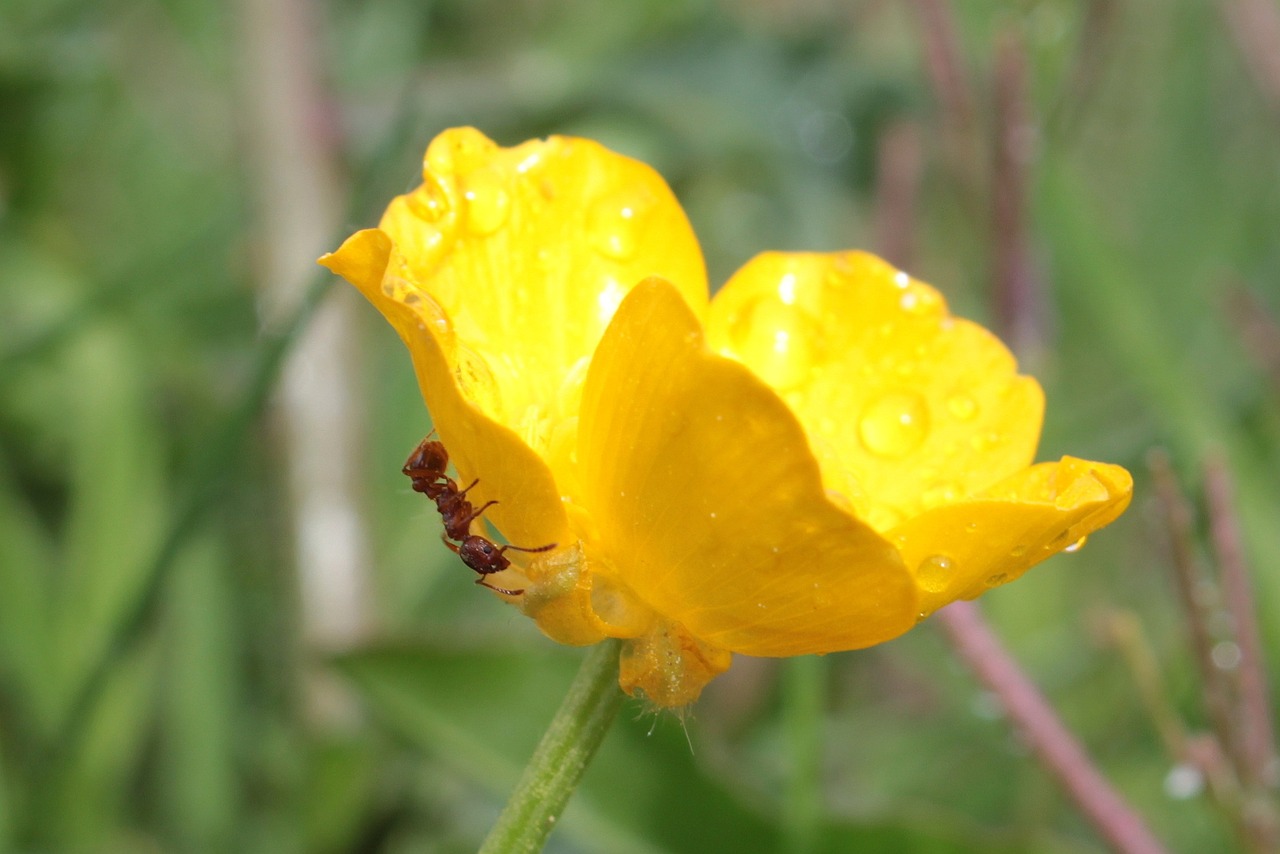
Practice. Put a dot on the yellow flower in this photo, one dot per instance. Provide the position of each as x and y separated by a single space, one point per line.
813 461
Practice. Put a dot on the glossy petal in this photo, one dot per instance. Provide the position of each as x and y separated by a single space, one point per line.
709 506
906 407
529 250
500 273
530 512
961 550
836 457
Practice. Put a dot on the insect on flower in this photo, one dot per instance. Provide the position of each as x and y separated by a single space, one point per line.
426 467
486 557
691 455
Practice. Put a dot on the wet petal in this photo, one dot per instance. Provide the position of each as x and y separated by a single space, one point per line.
961 550
711 509
529 250
906 407
530 512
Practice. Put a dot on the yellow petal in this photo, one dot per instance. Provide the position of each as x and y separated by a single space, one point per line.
530 512
906 407
961 550
529 250
711 508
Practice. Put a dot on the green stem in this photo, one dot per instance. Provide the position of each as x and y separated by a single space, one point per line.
561 757
804 689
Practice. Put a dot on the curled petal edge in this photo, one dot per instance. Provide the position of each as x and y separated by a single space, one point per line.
529 512
961 550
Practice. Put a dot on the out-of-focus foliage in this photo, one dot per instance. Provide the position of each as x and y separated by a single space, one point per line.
151 659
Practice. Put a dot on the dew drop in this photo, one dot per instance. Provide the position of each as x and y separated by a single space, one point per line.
487 202
971 527
1184 781
615 223
983 442
477 382
840 500
998 579
458 151
429 202
962 406
780 341
1018 551
939 494
1226 655
1077 545
935 572
883 518
919 299
894 424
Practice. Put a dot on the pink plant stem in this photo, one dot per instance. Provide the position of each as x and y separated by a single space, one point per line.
901 167
1258 330
1057 748
944 63
1256 736
1255 24
1017 290
1179 520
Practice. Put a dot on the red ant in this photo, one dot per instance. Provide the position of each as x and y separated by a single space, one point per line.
486 558
426 468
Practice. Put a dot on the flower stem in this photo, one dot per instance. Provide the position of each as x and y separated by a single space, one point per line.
561 757
804 685
1049 738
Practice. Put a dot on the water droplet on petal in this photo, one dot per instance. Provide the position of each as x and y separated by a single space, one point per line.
779 341
998 579
894 424
428 202
1077 545
971 527
942 493
615 223
477 382
883 518
840 500
458 151
935 572
962 406
487 202
919 299
1018 551
983 442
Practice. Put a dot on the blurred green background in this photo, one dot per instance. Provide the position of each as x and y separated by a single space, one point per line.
226 623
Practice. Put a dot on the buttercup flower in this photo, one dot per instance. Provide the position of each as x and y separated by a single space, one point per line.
813 461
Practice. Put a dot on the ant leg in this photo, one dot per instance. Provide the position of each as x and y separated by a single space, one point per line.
475 514
483 582
548 547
